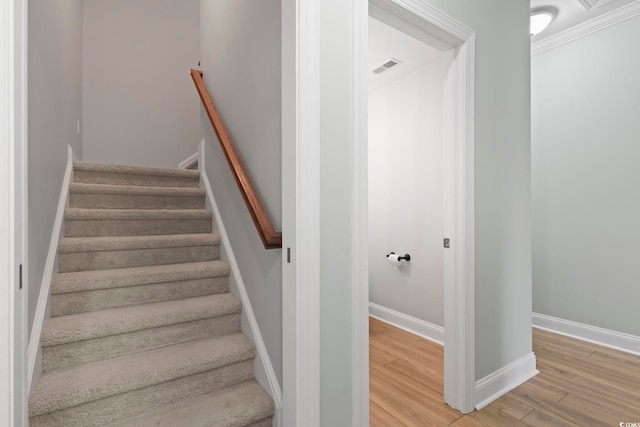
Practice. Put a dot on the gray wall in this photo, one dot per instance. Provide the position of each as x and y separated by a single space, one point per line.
406 190
240 42
586 209
55 104
139 104
503 178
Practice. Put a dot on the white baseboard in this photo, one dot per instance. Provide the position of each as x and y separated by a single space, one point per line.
411 324
504 380
43 298
265 374
190 162
593 334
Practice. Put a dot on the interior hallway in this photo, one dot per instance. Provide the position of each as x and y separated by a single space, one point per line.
580 384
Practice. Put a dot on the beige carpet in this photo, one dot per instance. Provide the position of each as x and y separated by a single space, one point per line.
144 331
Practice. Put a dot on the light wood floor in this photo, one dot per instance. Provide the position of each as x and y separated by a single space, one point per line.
579 384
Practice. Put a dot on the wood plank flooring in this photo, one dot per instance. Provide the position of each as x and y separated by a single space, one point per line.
580 384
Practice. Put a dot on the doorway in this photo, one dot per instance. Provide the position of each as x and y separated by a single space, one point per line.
455 43
406 213
406 200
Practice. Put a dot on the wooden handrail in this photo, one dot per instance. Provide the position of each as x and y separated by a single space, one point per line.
271 239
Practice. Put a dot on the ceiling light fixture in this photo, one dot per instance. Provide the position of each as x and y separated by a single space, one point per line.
540 19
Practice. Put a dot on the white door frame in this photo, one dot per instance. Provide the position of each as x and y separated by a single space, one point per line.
301 184
457 42
13 161
301 213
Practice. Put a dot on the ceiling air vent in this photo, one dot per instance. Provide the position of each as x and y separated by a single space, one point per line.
384 67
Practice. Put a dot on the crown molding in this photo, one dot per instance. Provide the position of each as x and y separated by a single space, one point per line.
587 4
576 32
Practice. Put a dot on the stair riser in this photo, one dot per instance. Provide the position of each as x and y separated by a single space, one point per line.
107 260
67 355
102 299
129 227
133 201
108 178
103 411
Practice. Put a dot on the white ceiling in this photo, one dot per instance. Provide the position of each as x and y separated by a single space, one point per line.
573 12
385 42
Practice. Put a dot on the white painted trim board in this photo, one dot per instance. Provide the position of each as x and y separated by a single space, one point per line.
13 212
459 297
408 323
505 379
13 145
265 375
301 212
7 209
576 32
360 220
190 162
593 334
43 298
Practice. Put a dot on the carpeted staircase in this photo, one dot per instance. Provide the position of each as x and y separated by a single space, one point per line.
144 331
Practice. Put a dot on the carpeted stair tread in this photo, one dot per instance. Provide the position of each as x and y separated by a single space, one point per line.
235 406
97 324
136 170
121 406
82 281
136 214
70 387
94 244
121 221
136 190
112 346
108 253
124 196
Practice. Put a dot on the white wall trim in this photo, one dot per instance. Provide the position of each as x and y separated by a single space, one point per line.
7 209
43 298
21 138
301 212
430 14
262 359
408 323
13 146
458 43
190 162
576 32
360 220
588 4
505 379
13 212
459 226
593 334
